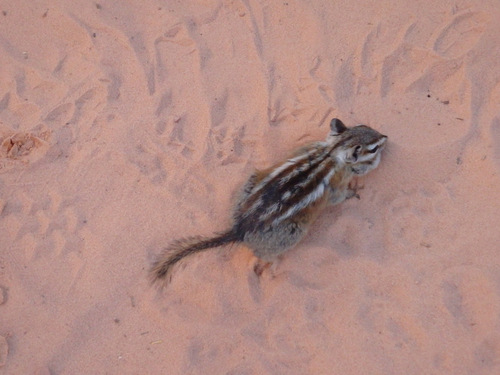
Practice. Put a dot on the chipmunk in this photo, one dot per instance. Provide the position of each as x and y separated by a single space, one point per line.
278 205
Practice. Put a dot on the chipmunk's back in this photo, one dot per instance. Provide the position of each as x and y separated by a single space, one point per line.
278 205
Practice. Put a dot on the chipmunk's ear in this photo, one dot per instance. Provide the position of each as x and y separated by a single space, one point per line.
337 127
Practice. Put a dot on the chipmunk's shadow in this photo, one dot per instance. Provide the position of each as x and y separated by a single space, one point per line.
349 232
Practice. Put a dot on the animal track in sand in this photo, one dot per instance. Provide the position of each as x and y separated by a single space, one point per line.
487 353
4 346
45 226
3 295
148 163
417 82
460 36
409 226
356 236
4 351
476 312
177 42
411 60
495 135
61 113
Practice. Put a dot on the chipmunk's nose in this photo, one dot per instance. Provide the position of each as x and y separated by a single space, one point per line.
383 141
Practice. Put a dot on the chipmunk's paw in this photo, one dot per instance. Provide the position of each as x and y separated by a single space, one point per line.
352 189
260 266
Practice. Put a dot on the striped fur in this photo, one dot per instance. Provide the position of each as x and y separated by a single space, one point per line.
265 217
292 186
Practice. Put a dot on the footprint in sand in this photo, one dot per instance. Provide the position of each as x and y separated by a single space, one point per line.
487 354
409 228
45 226
4 347
471 297
3 295
460 36
411 61
149 164
4 351
61 114
495 136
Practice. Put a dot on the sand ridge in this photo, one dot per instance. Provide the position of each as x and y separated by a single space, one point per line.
126 124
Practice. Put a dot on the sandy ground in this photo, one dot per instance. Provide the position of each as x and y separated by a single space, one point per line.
127 124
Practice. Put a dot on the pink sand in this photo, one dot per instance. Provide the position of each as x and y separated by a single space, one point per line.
127 124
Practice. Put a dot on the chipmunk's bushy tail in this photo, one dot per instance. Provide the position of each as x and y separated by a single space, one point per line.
162 267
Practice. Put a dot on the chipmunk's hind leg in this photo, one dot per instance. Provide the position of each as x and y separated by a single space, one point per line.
275 240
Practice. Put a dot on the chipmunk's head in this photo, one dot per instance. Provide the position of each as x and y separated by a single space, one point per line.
358 147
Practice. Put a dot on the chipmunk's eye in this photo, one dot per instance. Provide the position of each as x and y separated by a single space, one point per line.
356 152
373 150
